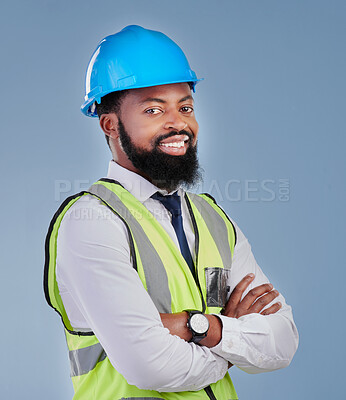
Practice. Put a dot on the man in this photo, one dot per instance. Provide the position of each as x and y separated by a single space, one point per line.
157 289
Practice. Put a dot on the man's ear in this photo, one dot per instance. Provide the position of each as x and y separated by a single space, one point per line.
109 125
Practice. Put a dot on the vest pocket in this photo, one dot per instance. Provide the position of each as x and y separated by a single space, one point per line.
217 286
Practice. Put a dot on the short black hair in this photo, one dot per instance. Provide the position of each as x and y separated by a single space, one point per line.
110 104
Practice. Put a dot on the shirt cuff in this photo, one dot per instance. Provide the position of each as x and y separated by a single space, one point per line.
231 338
249 346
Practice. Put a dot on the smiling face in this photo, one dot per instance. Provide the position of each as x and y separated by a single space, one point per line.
152 113
155 134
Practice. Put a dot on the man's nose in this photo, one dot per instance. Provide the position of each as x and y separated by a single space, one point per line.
174 121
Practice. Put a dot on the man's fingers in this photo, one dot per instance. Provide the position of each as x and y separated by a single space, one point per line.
263 301
254 294
254 302
272 309
237 294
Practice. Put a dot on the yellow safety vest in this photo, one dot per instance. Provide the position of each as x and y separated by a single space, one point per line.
156 259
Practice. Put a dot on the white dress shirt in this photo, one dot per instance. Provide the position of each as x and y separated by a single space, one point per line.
102 292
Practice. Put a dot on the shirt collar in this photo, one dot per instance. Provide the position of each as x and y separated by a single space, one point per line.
138 186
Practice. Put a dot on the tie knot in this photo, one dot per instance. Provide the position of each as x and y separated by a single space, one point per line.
171 202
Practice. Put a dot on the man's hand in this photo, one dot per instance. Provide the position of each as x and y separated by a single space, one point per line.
254 302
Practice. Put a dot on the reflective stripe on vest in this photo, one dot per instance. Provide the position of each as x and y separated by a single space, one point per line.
156 279
84 360
216 226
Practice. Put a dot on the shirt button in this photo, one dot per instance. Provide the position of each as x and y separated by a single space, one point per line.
230 343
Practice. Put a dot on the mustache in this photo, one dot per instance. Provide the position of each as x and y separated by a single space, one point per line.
174 133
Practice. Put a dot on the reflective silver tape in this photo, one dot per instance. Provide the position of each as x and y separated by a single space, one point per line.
217 228
84 360
154 270
217 287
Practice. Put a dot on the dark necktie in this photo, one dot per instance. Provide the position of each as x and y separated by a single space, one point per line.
173 205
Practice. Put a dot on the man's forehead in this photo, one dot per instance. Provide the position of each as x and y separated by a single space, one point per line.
163 93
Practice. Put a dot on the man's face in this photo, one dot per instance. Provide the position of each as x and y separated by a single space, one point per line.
158 134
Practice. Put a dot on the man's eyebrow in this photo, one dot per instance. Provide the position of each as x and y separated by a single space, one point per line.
153 100
158 100
189 97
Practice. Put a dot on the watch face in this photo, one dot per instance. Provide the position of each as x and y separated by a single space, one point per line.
199 323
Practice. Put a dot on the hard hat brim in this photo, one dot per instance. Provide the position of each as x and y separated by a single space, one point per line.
86 107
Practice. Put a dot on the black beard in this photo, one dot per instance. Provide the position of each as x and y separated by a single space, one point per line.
163 170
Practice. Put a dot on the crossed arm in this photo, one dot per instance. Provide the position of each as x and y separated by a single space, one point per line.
254 301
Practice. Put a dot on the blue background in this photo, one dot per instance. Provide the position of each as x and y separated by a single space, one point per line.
272 143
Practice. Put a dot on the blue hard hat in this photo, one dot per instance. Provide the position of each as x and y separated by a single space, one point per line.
133 58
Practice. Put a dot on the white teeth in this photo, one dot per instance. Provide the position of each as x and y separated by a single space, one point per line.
175 144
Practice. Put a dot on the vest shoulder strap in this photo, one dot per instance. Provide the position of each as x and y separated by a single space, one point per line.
218 222
210 197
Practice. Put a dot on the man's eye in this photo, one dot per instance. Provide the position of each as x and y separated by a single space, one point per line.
153 111
187 109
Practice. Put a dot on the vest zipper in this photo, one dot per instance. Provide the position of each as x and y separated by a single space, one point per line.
208 389
194 224
210 393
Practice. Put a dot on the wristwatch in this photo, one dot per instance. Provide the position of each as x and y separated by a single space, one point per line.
198 324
